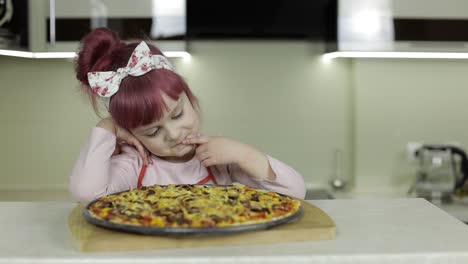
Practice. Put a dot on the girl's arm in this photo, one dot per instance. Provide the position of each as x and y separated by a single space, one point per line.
248 165
286 179
97 172
256 164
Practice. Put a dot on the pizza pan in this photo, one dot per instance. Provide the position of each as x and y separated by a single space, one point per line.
188 231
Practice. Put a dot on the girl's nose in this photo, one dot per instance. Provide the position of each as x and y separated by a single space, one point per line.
172 134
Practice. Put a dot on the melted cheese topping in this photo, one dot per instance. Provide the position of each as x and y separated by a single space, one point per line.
193 206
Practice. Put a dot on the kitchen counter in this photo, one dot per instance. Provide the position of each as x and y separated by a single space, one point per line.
457 207
368 231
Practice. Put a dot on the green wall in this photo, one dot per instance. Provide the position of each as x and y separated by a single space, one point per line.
278 96
399 101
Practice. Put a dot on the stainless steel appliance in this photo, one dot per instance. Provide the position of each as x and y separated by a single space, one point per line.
442 171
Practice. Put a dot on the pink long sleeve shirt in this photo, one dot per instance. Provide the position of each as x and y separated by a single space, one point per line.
97 172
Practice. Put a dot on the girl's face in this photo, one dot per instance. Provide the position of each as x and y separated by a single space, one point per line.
164 137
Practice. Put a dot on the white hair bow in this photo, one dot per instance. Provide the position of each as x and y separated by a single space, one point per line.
107 83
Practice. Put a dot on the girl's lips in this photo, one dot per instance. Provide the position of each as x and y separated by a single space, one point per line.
179 144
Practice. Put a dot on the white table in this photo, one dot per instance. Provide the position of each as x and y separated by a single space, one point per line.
368 231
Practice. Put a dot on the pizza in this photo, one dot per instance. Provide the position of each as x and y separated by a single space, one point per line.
193 206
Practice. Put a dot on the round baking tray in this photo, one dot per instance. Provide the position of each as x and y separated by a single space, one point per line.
188 231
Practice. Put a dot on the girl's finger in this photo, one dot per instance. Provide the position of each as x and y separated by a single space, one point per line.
209 162
203 156
148 156
196 140
142 152
190 136
143 155
201 148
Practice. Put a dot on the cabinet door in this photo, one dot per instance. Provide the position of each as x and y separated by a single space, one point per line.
69 20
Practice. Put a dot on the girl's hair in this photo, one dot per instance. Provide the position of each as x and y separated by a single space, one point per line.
139 100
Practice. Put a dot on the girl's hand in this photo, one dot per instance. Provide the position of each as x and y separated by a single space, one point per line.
123 136
216 150
220 150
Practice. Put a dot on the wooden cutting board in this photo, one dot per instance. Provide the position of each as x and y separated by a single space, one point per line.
314 224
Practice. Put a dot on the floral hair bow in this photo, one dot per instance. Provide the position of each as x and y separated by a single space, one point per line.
107 83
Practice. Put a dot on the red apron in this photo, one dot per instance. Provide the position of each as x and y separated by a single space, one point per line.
202 181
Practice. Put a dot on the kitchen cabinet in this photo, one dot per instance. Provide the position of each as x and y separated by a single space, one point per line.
399 26
58 26
260 19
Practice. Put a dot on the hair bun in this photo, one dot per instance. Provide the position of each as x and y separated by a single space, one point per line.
95 47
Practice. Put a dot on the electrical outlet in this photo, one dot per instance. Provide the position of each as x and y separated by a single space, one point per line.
411 148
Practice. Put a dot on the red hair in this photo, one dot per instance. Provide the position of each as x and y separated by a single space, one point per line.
139 100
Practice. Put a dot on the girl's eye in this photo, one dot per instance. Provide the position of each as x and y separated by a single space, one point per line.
154 133
178 115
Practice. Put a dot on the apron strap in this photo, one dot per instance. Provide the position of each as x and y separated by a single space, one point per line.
142 174
208 178
203 181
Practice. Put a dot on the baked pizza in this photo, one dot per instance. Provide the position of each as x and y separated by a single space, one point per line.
183 206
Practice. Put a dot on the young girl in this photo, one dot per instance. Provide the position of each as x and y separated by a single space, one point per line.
153 133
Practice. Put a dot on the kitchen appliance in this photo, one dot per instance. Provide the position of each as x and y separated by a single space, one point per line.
442 171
